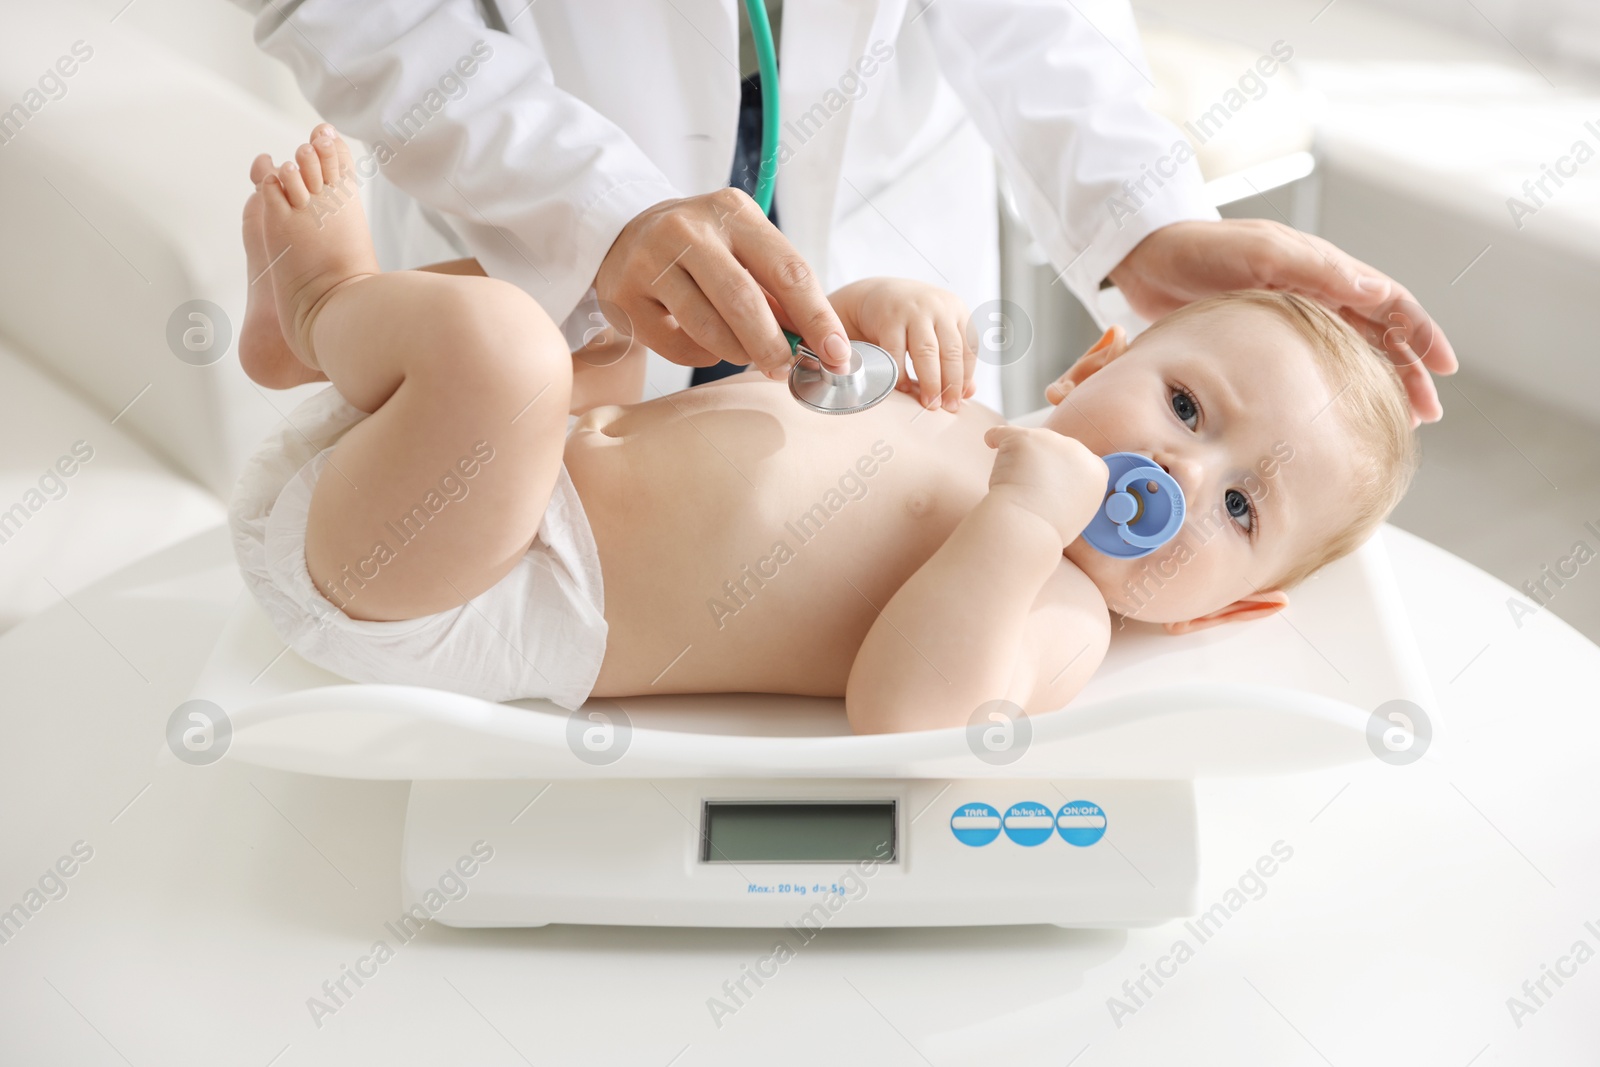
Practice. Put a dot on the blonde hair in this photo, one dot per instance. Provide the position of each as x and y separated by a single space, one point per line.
1370 400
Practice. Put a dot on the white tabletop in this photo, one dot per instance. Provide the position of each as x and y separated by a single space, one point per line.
219 899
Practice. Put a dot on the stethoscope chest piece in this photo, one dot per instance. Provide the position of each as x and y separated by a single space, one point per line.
1142 510
871 377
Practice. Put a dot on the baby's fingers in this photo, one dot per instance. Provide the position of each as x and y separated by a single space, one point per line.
955 363
893 341
997 436
922 343
1057 390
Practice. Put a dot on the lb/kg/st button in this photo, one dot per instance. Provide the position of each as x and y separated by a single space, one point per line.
1029 823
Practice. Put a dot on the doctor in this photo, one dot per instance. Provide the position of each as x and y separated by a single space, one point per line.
580 149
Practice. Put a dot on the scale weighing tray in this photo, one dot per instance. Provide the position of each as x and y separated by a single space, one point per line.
761 810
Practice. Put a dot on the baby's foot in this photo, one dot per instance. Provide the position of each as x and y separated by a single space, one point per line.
316 234
263 353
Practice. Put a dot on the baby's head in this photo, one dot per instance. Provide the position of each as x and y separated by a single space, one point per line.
1290 437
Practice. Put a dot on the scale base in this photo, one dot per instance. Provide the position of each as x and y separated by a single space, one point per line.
628 852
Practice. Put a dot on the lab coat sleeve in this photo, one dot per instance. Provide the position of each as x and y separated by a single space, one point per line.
537 183
1055 87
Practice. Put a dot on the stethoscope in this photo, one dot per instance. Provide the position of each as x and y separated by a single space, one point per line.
872 373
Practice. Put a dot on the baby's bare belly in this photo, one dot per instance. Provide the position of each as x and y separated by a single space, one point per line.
746 543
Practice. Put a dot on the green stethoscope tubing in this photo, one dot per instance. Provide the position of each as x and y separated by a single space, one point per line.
767 63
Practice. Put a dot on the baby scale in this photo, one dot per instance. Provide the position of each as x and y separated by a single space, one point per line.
765 811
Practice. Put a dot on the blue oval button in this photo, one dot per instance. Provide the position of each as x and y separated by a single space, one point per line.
1081 822
975 824
1029 823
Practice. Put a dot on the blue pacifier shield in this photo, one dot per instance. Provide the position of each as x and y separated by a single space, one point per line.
1143 509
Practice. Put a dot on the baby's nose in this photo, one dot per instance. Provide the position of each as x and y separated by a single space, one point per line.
1185 471
1160 459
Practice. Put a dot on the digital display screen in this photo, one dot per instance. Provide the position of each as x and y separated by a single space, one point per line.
787 832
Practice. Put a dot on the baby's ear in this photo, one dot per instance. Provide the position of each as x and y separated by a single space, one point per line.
1112 344
1254 606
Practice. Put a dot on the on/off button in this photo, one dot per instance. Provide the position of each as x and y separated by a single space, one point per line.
1081 822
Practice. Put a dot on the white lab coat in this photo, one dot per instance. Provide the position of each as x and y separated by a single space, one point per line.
586 112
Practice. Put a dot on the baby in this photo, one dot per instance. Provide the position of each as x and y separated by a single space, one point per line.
439 518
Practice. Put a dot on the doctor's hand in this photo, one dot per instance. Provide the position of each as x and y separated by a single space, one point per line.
1188 261
707 278
913 319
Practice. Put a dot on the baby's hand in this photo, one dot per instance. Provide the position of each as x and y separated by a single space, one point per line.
909 317
1050 474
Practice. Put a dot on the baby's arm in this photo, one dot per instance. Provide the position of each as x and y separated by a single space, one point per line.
997 613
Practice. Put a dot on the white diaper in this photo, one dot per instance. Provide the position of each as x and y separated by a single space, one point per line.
538 632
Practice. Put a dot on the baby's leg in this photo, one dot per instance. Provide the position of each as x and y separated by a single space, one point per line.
610 369
460 374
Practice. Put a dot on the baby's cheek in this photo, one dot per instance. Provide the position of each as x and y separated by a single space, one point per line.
1172 585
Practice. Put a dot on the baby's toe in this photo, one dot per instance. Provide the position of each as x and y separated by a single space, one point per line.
274 200
260 167
327 157
344 162
310 164
294 186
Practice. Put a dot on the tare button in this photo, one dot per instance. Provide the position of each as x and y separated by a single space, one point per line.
975 824
1029 823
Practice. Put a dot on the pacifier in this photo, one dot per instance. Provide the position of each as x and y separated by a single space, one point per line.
1142 511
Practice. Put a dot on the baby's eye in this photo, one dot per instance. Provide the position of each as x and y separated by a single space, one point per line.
1185 408
1239 508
